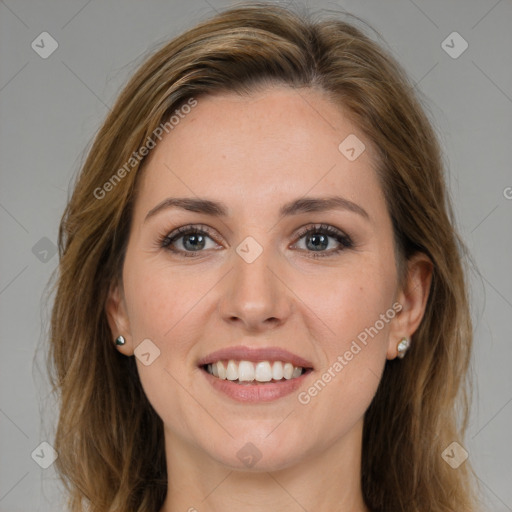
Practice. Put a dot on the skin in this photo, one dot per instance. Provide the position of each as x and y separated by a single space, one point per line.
255 154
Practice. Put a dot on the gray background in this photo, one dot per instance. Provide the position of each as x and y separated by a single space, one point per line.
50 109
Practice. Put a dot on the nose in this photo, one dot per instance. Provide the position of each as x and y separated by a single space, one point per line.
255 295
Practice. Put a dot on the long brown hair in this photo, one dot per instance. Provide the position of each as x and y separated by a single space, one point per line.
109 439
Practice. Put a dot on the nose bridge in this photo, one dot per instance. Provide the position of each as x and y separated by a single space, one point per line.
255 295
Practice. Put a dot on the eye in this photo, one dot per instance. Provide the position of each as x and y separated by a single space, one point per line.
192 239
318 237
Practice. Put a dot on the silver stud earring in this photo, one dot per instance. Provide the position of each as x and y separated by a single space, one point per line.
120 340
402 347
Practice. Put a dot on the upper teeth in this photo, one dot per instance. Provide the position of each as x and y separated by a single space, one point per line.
263 371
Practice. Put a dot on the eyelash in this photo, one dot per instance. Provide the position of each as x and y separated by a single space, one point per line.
345 241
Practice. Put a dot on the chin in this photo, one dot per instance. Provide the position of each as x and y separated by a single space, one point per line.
249 452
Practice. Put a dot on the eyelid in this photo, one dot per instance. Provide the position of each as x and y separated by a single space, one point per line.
316 227
186 229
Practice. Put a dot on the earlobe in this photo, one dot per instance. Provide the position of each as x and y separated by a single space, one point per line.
120 340
117 317
413 298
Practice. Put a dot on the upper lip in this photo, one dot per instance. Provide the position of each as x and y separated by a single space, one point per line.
242 353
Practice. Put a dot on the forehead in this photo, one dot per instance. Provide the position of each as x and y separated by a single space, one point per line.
257 147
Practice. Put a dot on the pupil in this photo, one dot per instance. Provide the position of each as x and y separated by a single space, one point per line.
318 241
197 241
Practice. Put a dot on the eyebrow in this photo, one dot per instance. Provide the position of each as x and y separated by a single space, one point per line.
298 206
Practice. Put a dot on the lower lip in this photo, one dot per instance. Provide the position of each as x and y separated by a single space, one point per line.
260 392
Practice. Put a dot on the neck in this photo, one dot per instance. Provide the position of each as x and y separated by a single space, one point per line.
324 481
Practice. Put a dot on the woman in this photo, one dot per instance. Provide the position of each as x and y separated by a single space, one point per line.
261 302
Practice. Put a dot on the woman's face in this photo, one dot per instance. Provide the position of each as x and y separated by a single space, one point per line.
251 277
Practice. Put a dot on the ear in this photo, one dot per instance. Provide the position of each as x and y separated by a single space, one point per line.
413 298
117 316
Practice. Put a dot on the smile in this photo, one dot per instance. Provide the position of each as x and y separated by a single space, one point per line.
245 372
250 374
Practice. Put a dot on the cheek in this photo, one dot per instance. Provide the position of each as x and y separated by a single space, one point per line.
346 305
163 307
358 312
162 299
357 309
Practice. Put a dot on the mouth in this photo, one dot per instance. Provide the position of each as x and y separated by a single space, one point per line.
255 375
245 372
